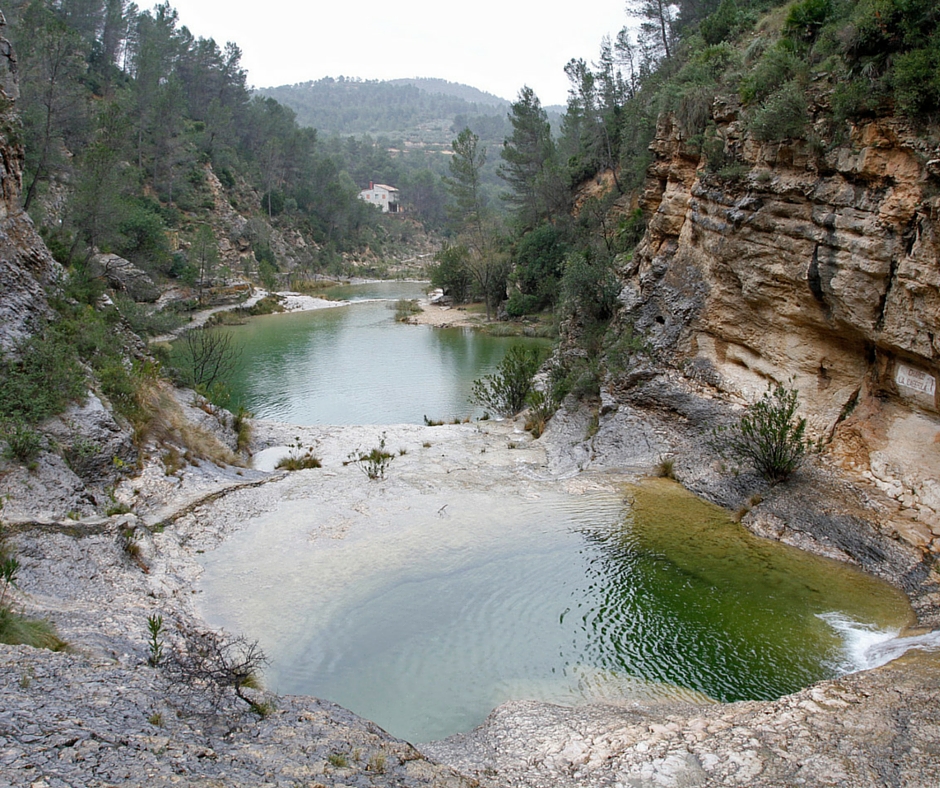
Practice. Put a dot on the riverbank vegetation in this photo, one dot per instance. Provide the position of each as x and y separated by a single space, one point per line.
769 436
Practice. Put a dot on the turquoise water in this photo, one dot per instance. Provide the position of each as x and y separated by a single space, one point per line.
424 622
355 364
442 604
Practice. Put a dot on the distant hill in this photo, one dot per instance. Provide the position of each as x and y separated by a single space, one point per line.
441 86
416 111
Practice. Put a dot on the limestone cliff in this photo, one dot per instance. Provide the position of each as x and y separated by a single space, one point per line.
818 266
25 264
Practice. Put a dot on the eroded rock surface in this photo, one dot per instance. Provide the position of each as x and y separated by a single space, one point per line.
26 267
816 269
873 729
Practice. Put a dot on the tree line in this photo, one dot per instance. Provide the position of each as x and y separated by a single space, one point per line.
122 111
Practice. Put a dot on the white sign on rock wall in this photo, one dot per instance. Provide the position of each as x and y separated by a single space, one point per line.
915 379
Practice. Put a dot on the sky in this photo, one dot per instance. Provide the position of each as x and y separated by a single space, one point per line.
494 45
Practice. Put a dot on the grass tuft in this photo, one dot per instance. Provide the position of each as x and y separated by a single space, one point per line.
17 630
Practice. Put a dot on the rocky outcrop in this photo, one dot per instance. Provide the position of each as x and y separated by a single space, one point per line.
26 267
870 729
816 267
124 276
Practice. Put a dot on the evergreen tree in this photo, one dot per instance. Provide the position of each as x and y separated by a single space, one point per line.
529 164
52 64
470 211
488 267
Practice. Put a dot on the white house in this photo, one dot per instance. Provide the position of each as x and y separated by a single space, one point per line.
386 197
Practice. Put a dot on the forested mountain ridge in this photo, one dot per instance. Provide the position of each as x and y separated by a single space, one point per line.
466 92
422 113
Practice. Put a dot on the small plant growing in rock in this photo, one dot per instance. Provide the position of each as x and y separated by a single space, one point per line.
210 662
338 760
505 391
666 469
542 407
241 423
155 641
300 458
375 463
377 763
769 436
130 544
263 708
9 566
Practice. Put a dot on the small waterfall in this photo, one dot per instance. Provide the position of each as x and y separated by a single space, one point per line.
866 647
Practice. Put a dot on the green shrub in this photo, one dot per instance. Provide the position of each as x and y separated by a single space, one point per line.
856 98
777 65
783 115
768 435
590 288
23 443
520 304
505 391
42 380
373 464
723 23
538 260
806 18
452 273
146 321
916 81
241 423
405 308
623 344
122 386
143 238
542 407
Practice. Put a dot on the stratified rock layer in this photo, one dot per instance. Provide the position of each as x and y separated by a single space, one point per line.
820 270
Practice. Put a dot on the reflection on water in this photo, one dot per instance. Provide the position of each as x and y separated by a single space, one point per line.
423 623
355 365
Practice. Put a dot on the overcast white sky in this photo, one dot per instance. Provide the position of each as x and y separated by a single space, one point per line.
494 45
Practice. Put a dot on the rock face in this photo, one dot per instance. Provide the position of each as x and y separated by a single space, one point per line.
863 730
123 275
820 268
25 264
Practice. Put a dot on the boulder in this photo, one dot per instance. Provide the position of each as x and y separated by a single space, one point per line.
123 275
